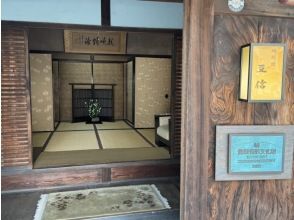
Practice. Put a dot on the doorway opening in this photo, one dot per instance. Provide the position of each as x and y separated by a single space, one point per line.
136 95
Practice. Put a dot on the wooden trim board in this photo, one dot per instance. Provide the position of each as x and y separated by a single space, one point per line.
195 126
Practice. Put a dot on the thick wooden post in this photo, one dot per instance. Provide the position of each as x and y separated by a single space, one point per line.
197 43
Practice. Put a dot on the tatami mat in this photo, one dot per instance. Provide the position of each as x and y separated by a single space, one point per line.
113 125
149 134
78 126
86 157
74 140
121 139
40 138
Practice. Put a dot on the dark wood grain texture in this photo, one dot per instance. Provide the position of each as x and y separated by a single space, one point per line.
106 175
21 178
274 199
271 199
176 97
257 7
198 24
123 173
228 200
16 147
45 39
50 179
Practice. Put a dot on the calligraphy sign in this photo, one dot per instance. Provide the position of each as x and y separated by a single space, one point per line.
256 153
267 72
262 72
99 42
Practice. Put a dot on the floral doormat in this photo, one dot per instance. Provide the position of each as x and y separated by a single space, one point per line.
94 203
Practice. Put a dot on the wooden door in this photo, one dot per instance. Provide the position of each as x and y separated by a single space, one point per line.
42 92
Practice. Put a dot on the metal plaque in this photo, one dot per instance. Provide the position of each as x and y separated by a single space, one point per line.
256 153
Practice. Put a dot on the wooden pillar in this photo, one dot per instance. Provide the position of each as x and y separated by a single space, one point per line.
197 43
105 12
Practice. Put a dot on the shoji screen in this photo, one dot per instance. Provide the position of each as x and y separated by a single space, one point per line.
41 92
152 89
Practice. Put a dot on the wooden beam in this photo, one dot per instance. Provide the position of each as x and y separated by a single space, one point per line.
197 43
24 178
105 12
271 8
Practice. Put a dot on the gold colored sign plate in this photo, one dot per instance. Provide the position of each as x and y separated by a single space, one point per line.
267 72
98 42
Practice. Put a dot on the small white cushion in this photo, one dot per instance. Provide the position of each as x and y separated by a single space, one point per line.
163 120
163 131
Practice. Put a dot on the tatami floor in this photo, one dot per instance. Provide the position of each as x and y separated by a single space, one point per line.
81 143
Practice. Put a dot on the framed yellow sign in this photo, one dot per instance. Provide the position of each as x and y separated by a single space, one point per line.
262 72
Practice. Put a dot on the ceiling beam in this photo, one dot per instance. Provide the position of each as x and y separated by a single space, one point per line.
105 13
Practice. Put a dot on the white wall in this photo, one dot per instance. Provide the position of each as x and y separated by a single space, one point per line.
124 13
146 14
86 12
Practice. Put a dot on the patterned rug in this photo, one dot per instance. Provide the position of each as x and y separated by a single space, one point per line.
94 203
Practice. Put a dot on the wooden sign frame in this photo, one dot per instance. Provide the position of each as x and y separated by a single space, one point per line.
96 42
222 152
273 89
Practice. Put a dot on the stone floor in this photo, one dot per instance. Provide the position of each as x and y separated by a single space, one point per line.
21 206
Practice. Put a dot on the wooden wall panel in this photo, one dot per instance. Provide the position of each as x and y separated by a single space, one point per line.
45 39
149 43
140 172
20 179
50 179
51 39
228 200
15 101
257 7
274 199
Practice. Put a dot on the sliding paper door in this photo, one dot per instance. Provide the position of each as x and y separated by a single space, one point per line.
41 92
152 89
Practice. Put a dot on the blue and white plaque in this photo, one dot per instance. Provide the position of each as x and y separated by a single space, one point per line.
256 153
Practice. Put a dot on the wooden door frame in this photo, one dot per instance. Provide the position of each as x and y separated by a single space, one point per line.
197 47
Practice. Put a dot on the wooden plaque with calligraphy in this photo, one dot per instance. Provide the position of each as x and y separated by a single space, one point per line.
98 42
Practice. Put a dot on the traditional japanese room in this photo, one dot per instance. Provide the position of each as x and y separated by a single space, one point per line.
91 108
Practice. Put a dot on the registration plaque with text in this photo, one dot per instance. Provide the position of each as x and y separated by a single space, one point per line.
256 153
